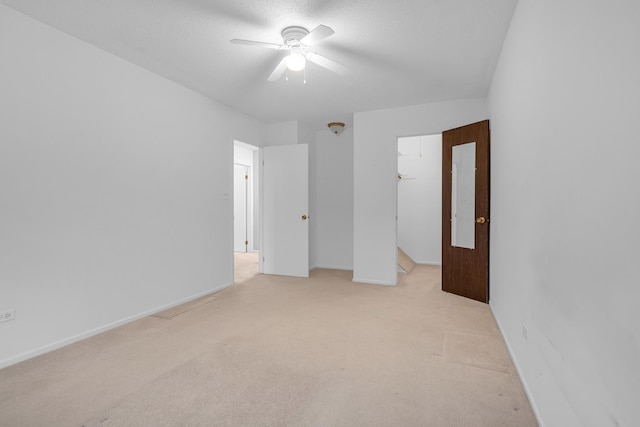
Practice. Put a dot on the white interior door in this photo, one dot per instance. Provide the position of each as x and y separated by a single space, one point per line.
285 247
240 173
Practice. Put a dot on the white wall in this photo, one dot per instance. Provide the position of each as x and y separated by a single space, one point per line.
282 133
420 198
306 135
334 200
566 207
112 183
375 168
288 133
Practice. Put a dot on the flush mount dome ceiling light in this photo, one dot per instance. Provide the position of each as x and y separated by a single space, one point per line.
336 127
297 41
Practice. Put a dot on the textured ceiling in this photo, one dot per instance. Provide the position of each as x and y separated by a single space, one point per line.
400 52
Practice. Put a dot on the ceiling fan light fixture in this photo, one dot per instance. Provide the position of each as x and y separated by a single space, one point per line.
298 42
336 127
296 61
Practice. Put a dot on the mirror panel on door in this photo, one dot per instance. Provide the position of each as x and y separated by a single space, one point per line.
463 195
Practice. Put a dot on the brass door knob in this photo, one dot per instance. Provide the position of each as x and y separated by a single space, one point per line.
304 217
481 220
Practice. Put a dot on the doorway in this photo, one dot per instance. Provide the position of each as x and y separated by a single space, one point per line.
246 196
419 198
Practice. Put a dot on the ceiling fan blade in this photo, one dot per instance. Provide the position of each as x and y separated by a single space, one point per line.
319 33
279 70
257 44
327 63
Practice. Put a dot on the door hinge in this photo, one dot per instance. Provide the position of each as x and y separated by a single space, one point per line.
246 177
246 242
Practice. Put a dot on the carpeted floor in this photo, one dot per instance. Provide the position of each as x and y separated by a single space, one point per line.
245 266
283 351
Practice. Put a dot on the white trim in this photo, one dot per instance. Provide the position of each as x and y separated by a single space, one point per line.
333 267
62 343
373 282
527 390
245 145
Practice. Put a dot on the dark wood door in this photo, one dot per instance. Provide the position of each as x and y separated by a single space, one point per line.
465 211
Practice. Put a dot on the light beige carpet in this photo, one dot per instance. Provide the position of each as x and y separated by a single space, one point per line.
283 351
245 266
183 308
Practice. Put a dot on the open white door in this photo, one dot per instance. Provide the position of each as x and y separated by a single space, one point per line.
285 247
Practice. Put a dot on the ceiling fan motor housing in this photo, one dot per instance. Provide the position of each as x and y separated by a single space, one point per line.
292 35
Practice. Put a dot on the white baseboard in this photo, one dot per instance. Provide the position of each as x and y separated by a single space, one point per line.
373 282
439 264
333 267
64 342
527 389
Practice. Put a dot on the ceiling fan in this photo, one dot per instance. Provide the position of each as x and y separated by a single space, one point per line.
298 41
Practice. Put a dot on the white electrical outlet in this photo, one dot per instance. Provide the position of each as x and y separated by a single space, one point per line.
7 315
